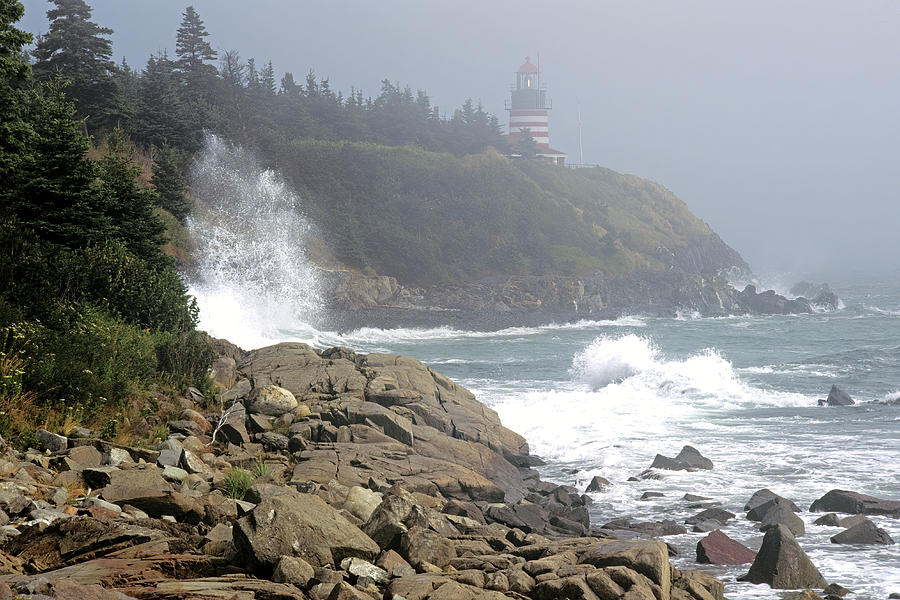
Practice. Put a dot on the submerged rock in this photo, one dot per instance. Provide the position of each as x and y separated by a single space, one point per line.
855 503
837 397
865 532
689 459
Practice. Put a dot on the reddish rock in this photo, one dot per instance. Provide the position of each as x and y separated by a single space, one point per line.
719 549
104 514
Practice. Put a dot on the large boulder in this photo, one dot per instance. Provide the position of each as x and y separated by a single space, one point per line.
783 564
300 525
420 546
689 459
719 549
856 504
272 400
781 514
647 557
865 532
837 397
759 512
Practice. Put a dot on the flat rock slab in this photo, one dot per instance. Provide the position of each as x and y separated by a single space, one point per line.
855 503
129 574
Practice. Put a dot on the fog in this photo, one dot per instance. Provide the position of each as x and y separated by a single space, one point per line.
777 122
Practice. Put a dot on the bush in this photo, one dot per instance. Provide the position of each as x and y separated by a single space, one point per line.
44 278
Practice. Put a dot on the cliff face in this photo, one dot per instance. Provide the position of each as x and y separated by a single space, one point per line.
506 301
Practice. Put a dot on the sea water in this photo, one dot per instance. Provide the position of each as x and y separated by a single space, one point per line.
603 397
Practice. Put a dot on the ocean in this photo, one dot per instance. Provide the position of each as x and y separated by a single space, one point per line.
604 397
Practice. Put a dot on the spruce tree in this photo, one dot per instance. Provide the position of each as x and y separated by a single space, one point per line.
162 117
52 189
169 182
267 79
193 52
15 132
80 50
128 205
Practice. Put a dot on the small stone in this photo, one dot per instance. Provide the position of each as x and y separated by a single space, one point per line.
116 456
651 495
363 568
293 570
175 474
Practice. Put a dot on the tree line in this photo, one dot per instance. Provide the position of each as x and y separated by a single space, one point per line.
172 99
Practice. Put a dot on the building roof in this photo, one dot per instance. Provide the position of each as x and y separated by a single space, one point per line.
527 67
550 152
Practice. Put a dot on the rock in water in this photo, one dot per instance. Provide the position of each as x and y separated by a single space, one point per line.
689 459
598 484
759 512
855 503
783 564
837 397
781 514
719 549
863 533
762 496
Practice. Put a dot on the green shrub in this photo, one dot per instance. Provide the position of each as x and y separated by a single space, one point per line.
236 483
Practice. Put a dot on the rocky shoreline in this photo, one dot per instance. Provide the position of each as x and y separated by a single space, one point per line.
495 303
334 475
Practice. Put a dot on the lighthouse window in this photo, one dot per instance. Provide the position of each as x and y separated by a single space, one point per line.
528 82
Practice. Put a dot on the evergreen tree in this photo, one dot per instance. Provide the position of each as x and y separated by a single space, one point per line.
128 93
169 182
526 146
161 115
80 50
52 189
128 205
289 87
267 79
15 132
193 51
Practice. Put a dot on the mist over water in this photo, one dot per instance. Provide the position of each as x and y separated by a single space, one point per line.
252 278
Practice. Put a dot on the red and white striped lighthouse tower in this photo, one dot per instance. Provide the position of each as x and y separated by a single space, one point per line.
528 109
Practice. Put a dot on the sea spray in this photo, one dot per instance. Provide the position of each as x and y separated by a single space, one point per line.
251 274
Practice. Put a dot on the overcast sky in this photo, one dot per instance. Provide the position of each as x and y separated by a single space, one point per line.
778 122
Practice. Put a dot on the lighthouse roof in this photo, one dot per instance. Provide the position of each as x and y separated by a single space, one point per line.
527 67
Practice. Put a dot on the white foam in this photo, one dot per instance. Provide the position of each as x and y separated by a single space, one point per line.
624 391
883 311
252 279
374 335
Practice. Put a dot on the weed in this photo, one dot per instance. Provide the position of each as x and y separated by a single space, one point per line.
236 483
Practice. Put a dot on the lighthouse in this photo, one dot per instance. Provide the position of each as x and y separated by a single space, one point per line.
529 109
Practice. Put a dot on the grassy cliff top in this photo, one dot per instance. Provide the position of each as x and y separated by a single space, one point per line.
430 218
